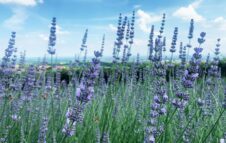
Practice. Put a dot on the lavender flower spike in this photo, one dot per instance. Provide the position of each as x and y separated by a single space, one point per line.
9 52
174 41
86 89
192 73
83 45
191 29
84 94
52 38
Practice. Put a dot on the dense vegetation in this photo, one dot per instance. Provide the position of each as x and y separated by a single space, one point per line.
119 102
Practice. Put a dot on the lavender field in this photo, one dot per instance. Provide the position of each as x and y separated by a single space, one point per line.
174 97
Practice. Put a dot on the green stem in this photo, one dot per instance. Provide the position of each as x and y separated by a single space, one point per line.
211 130
166 123
52 102
186 126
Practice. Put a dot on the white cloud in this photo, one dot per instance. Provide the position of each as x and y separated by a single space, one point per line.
43 37
220 23
196 3
16 21
141 43
22 2
59 31
112 27
145 20
189 12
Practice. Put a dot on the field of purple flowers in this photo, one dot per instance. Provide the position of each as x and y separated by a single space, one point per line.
131 106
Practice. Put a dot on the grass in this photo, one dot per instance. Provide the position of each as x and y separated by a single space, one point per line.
120 109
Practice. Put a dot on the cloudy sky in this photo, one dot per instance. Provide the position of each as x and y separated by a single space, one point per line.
31 20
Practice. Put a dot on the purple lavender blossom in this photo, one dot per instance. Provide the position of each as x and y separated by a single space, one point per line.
224 102
214 69
164 44
29 84
69 129
174 41
173 45
82 48
86 90
48 83
151 43
6 65
192 73
162 25
43 130
131 36
120 36
190 36
181 50
84 94
191 29
84 40
158 107
128 43
22 61
183 58
2 90
105 137
102 45
14 58
212 81
52 38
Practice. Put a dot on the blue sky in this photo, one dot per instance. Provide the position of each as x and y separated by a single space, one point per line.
31 20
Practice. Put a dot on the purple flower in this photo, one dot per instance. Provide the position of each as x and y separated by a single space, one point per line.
83 45
49 84
22 61
86 89
164 44
78 92
69 129
192 73
119 40
160 98
84 94
203 34
131 34
97 54
162 25
52 38
74 115
198 50
201 39
212 81
191 29
102 45
29 83
43 130
2 90
224 102
163 111
106 138
173 44
150 43
6 65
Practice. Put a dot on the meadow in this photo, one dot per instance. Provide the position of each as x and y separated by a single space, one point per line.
174 100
